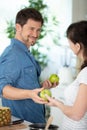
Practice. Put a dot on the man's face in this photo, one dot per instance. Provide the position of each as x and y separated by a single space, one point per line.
28 33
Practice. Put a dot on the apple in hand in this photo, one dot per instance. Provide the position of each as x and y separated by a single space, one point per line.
54 78
44 92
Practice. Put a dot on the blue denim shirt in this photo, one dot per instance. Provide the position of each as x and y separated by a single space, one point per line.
19 69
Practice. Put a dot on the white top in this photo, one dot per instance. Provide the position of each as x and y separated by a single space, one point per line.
70 96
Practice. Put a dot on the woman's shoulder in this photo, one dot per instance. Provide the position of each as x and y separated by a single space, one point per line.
82 76
83 71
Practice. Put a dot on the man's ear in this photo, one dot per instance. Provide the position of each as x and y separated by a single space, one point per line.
18 27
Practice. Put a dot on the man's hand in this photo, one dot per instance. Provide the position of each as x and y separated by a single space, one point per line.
48 84
35 96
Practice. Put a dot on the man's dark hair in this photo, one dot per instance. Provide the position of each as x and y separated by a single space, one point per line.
28 13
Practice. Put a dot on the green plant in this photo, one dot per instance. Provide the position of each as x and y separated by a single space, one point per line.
10 29
36 50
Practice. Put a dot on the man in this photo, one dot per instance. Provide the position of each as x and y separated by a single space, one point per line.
19 71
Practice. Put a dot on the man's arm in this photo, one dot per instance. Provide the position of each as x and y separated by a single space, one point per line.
13 93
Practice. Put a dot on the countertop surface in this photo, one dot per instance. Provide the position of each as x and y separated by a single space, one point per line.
22 126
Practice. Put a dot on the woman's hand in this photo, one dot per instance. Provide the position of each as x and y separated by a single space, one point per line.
52 101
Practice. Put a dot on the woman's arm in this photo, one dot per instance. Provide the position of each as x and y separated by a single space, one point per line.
77 111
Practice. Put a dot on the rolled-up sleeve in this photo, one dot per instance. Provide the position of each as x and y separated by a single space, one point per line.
9 72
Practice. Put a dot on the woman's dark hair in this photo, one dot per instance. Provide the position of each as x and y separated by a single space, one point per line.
28 13
77 33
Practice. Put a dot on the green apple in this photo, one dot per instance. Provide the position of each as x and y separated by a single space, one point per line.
54 78
44 92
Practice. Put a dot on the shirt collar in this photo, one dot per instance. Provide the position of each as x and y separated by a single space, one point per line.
19 44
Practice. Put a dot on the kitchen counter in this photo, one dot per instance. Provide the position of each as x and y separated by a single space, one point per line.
21 126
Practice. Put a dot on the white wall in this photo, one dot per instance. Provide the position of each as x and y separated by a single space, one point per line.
79 10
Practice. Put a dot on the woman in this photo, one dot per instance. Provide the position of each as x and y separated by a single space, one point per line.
75 106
